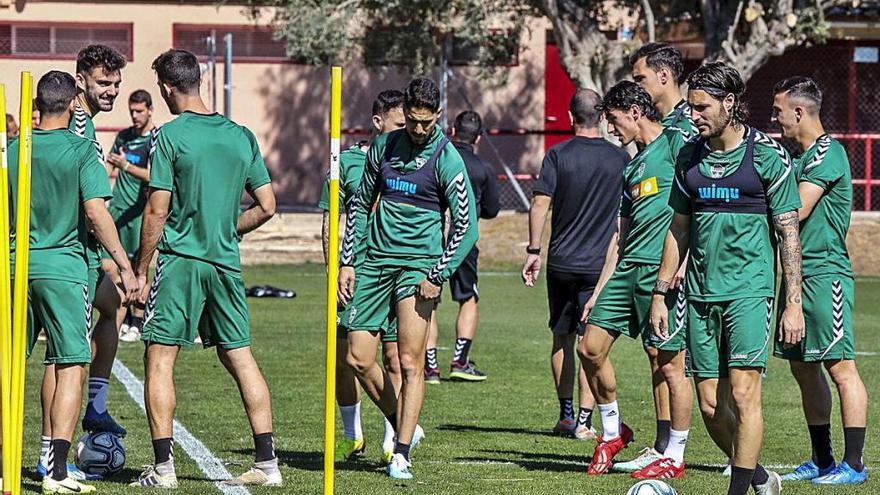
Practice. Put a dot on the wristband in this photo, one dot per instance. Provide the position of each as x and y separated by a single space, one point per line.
531 250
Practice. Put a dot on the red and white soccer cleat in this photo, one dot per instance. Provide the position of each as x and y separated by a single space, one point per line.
605 451
661 469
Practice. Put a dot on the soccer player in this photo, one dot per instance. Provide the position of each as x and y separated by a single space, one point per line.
466 133
11 127
659 68
581 179
729 185
98 75
68 186
202 165
387 117
825 188
130 155
415 175
624 289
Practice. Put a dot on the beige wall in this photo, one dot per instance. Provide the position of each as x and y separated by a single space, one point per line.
286 105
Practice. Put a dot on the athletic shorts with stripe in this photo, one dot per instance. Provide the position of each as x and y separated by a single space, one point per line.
828 307
624 307
63 309
389 334
190 296
463 282
728 334
377 290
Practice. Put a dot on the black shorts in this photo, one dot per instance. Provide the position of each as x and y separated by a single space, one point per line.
567 294
464 281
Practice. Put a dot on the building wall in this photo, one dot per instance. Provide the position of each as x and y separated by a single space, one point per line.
286 105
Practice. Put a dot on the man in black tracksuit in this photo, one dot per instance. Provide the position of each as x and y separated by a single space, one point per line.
465 134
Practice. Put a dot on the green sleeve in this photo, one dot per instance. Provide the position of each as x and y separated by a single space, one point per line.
93 180
827 170
626 202
679 197
162 163
456 187
324 202
361 201
257 175
776 170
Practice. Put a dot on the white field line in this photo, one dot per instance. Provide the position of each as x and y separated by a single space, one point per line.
194 448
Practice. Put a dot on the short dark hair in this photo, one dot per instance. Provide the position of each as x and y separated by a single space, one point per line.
422 93
386 101
583 107
468 126
626 94
659 55
718 80
141 96
55 91
99 56
179 69
9 119
800 87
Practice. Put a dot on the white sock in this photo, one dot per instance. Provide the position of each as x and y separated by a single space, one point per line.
98 394
610 420
165 468
388 440
351 421
677 443
45 442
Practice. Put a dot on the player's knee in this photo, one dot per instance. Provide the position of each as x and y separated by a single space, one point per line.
391 365
410 365
591 356
708 408
746 399
843 372
653 354
359 364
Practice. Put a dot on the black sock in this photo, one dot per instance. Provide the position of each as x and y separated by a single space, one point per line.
566 409
58 450
820 438
760 476
585 417
661 440
402 449
163 450
462 349
392 418
264 445
854 445
431 359
740 480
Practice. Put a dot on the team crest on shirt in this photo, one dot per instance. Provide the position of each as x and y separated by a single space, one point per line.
641 170
645 188
716 170
420 162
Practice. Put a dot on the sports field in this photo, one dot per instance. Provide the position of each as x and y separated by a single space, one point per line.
482 439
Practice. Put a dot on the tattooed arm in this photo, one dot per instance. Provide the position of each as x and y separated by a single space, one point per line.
675 248
792 321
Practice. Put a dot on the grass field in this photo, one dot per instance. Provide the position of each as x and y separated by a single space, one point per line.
481 438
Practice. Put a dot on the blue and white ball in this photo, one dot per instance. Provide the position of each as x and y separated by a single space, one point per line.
102 454
651 487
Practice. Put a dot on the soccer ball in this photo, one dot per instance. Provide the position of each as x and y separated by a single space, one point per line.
100 453
651 487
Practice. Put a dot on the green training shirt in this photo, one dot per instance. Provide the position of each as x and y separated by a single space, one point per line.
408 232
680 118
351 169
823 233
59 161
647 180
82 125
206 162
129 192
732 255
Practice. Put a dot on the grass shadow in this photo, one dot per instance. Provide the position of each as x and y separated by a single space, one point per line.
314 461
495 429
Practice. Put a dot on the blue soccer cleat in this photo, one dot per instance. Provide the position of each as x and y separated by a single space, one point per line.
72 472
843 474
807 471
398 468
93 422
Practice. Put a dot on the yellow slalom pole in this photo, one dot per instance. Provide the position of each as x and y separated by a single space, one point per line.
5 305
332 276
22 253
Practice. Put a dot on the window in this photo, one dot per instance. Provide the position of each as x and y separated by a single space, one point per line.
61 40
253 44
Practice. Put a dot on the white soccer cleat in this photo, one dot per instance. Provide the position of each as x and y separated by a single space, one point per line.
130 334
151 478
647 456
773 486
67 485
257 476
